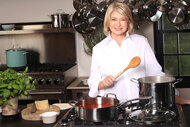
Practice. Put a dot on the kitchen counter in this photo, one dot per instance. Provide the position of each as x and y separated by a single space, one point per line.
78 90
181 114
186 113
17 121
78 84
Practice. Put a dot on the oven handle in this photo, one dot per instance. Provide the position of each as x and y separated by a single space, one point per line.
45 92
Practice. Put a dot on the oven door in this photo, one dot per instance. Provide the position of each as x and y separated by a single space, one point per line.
50 94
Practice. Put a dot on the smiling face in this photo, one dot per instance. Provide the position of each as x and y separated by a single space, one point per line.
118 24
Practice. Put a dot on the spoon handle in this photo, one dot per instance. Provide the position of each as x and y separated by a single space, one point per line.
133 63
120 73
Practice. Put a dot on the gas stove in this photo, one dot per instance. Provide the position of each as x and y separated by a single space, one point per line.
70 119
51 80
49 67
52 75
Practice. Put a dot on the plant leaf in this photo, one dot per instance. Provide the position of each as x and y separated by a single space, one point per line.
6 93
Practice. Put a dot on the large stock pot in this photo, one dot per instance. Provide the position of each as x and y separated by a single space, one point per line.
161 88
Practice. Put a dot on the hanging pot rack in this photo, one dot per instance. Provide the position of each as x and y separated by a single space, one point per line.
90 13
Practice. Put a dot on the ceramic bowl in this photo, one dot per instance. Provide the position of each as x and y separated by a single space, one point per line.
49 117
8 26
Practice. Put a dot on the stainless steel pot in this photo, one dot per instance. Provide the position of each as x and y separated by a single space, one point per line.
97 109
161 88
60 20
102 109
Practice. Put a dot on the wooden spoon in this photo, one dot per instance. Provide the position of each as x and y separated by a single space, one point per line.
133 63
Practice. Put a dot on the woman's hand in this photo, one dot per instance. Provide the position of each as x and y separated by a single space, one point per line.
107 82
182 101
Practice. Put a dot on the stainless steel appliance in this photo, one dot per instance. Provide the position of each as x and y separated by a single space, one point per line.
51 81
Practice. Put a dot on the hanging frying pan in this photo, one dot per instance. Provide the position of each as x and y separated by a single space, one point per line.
102 6
137 13
178 15
80 24
93 15
78 4
164 6
150 10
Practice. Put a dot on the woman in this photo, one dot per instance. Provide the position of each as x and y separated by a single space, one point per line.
114 53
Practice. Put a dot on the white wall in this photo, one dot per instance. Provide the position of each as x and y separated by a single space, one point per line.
13 11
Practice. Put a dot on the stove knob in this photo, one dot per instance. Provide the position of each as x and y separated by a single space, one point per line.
40 81
62 82
48 81
57 81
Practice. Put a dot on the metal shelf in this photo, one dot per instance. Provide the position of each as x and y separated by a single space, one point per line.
14 32
33 29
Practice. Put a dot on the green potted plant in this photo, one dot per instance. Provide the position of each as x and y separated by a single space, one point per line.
12 85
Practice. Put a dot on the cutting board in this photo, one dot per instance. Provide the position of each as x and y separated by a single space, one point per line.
27 115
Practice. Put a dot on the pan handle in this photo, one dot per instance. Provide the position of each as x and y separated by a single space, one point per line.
136 99
72 102
111 94
177 80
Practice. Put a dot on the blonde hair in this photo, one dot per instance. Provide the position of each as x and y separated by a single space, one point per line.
124 10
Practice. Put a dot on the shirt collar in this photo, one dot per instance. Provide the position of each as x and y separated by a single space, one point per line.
127 36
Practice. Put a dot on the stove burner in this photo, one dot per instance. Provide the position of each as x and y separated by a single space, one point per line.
147 117
50 67
123 121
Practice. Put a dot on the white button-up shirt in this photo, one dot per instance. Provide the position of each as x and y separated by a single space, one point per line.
108 58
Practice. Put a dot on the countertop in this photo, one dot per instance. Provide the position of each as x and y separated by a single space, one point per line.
17 121
78 84
186 113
